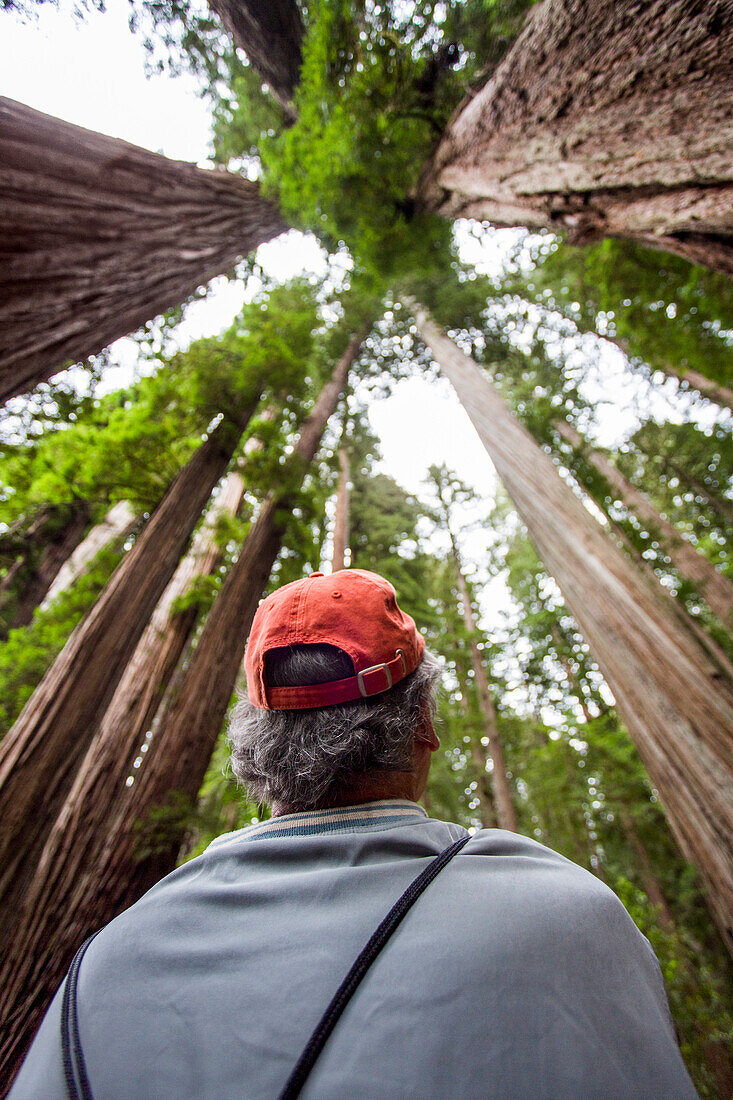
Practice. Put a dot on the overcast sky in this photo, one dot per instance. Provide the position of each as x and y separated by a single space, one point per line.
93 73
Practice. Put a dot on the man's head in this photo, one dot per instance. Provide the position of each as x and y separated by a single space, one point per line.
366 730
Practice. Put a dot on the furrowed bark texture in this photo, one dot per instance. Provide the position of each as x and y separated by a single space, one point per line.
503 801
116 526
98 236
89 871
607 118
58 529
341 518
677 705
40 755
270 32
715 588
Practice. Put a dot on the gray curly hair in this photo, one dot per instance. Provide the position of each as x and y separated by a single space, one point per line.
309 758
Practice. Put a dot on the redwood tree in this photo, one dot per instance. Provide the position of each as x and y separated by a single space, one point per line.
270 32
90 868
341 518
40 754
605 119
98 236
678 710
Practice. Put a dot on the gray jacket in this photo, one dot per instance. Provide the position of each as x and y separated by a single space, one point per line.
516 974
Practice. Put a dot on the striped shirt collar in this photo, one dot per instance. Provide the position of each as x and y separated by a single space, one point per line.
367 817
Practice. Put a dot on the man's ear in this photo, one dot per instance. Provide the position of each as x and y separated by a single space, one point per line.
427 732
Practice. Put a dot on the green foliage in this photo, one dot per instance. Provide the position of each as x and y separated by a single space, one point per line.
699 998
666 312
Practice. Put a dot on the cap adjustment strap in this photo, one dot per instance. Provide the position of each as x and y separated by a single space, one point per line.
303 696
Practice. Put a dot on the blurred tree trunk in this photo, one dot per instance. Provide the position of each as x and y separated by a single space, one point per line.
553 139
270 33
115 527
98 236
341 518
714 587
41 753
506 816
90 868
718 393
44 546
676 705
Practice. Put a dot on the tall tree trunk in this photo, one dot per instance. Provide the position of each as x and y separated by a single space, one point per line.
89 870
714 587
98 236
270 33
58 530
341 518
40 755
506 815
554 139
116 526
677 708
140 691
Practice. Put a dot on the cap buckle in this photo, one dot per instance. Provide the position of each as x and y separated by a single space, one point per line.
373 668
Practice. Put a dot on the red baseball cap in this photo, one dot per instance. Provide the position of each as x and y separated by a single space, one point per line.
352 609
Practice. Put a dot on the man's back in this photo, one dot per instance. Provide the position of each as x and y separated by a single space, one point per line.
516 974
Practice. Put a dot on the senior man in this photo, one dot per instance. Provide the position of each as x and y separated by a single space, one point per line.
503 970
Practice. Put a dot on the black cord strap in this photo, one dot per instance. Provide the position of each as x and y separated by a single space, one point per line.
75 1070
331 1016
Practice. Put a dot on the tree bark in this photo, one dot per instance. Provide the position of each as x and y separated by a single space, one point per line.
89 869
98 236
506 815
42 752
59 529
715 588
607 118
270 32
148 674
677 707
116 526
341 518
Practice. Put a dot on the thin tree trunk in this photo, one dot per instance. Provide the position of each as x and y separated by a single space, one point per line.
605 119
715 588
678 710
41 753
116 526
28 585
719 663
720 394
722 507
98 236
506 815
270 33
649 880
148 674
571 675
89 870
341 519
487 813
